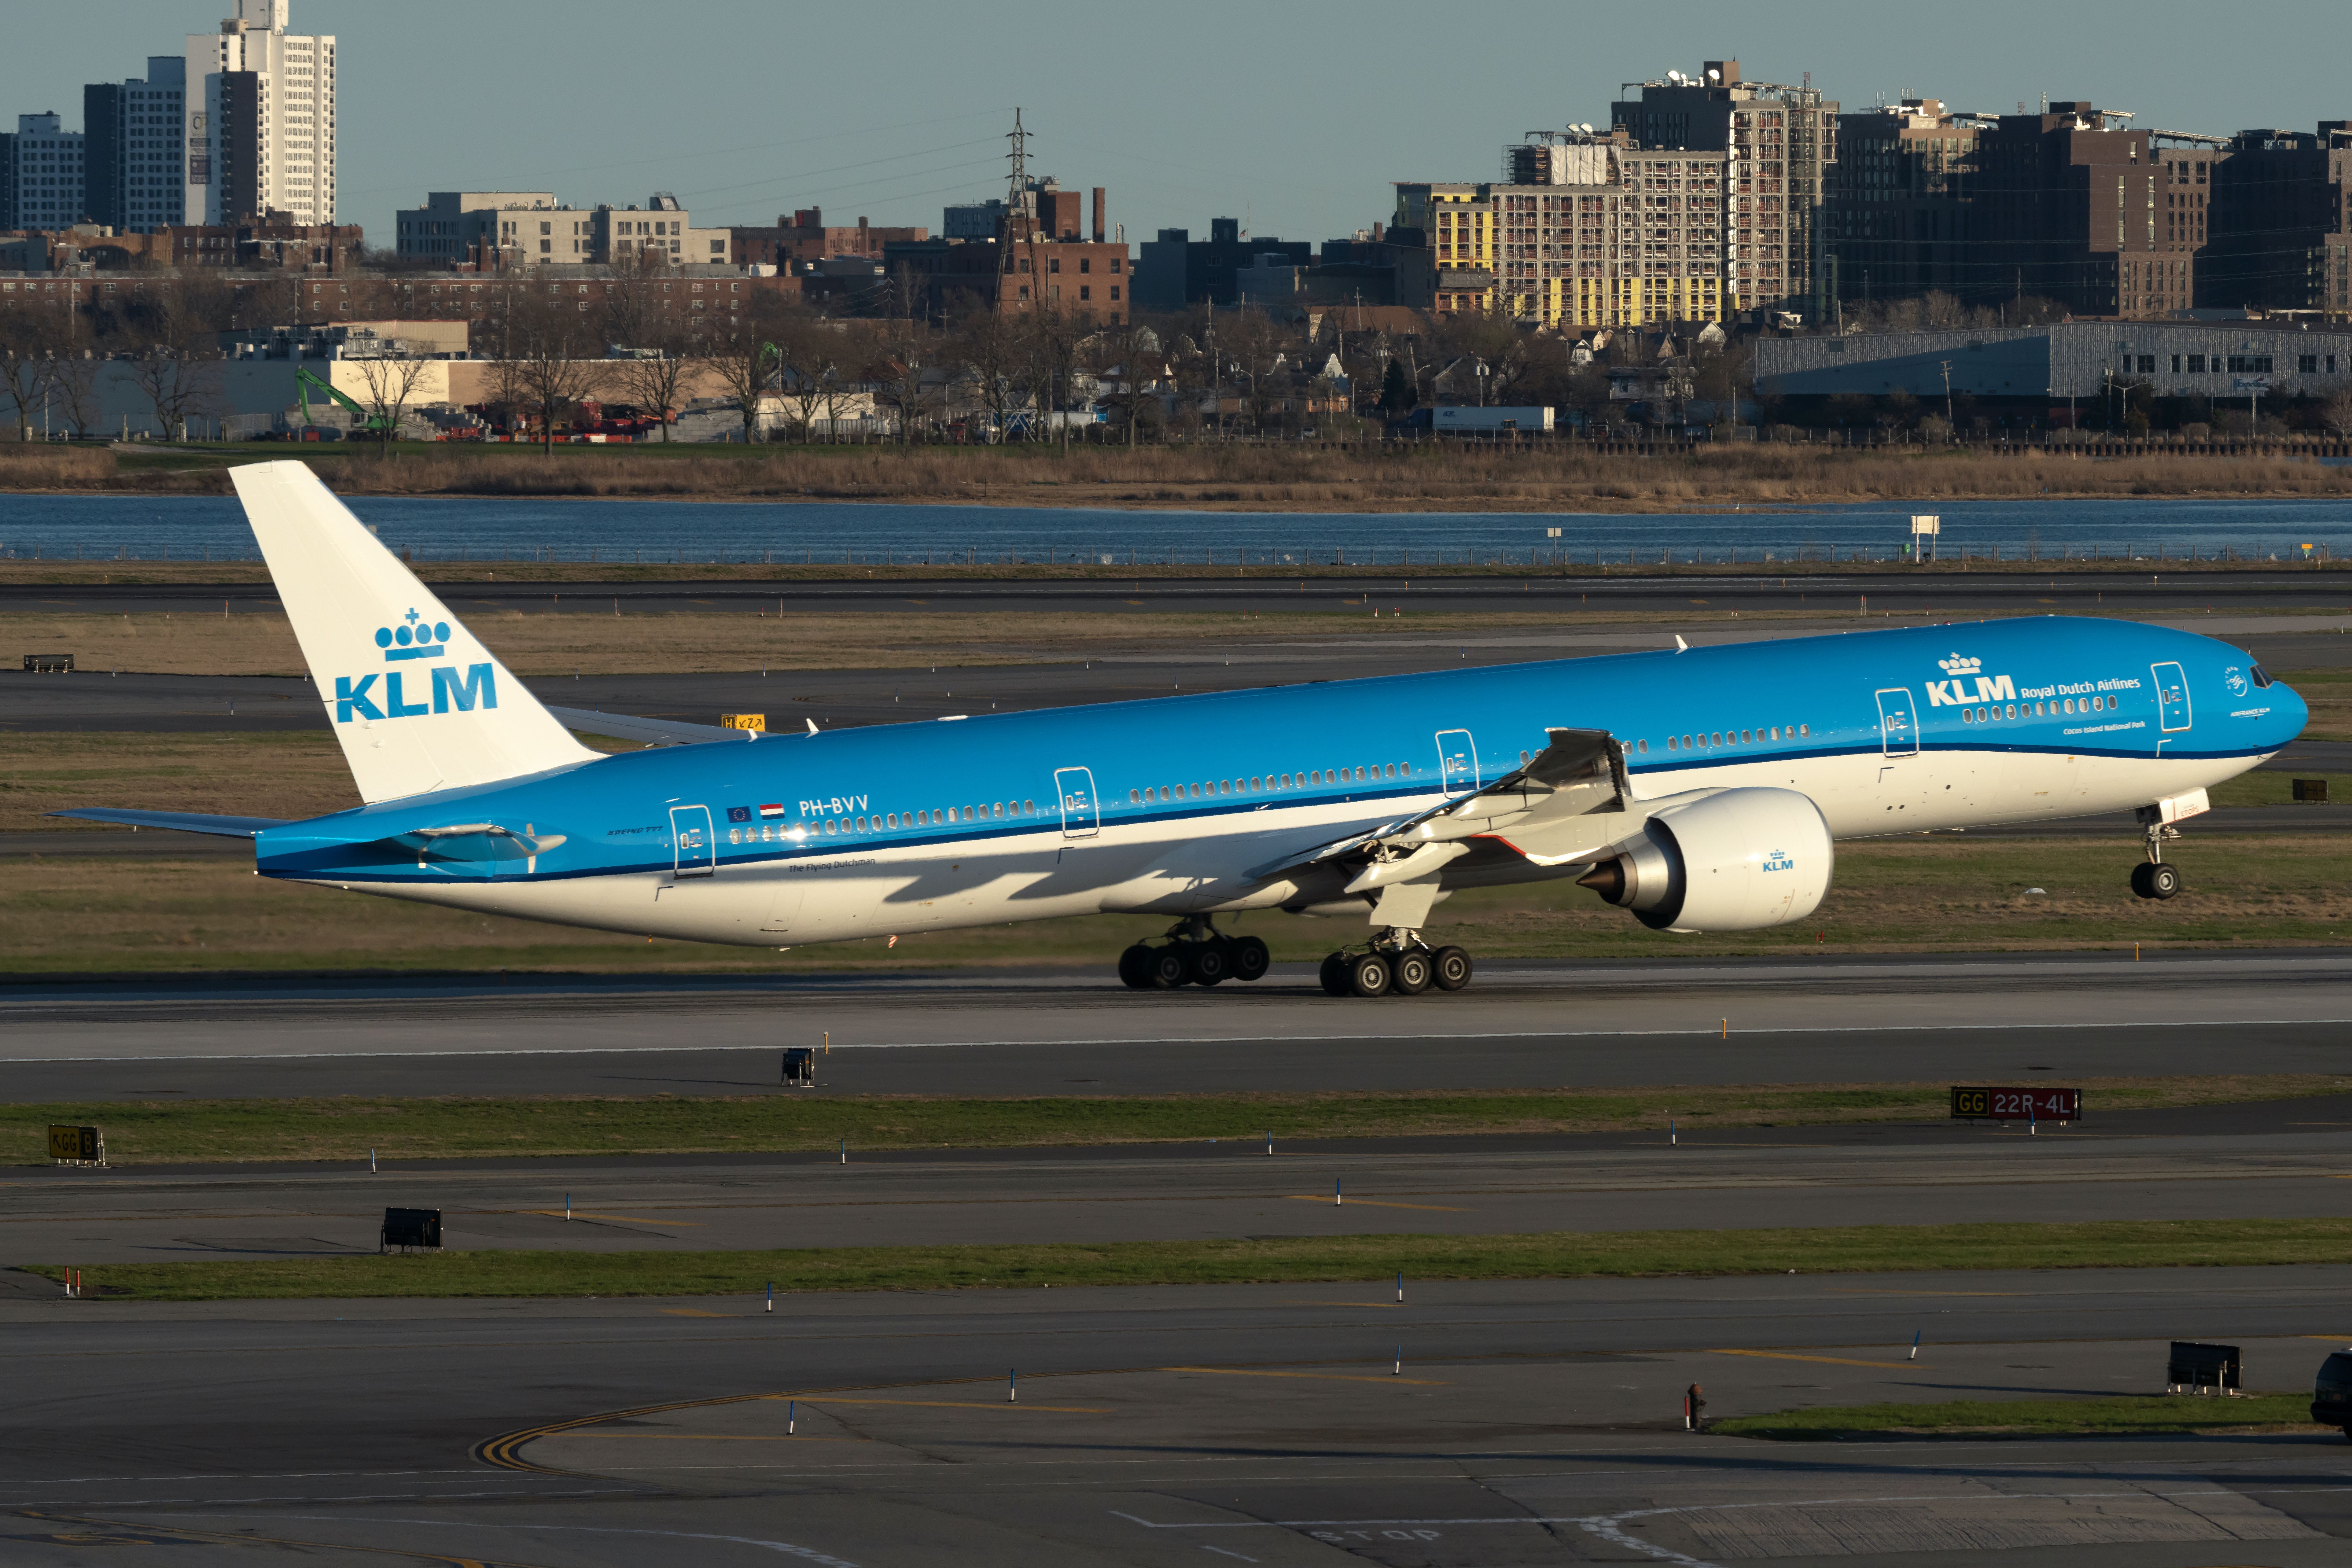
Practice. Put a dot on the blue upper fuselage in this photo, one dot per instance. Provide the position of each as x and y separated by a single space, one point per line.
2157 692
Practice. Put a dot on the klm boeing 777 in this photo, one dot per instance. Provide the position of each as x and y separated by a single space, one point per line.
1700 789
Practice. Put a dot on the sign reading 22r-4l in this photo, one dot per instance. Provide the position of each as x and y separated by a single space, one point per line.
416 640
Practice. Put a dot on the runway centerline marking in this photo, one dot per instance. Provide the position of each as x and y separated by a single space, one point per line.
949 1403
1311 1376
1826 1360
620 1218
1844 1290
1379 1203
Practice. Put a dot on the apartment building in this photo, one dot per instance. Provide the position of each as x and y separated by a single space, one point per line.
1899 216
806 237
41 174
1457 225
661 226
259 126
2281 220
487 229
1776 143
1175 270
134 170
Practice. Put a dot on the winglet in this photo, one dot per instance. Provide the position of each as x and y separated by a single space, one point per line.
1680 646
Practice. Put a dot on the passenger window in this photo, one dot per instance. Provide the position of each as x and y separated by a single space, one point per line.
1134 796
1643 747
1028 808
1964 716
832 827
967 813
1255 783
1804 729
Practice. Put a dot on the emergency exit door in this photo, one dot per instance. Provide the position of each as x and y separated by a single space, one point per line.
2171 697
1457 762
1898 723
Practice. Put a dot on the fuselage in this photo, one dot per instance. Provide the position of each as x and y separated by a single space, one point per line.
1175 805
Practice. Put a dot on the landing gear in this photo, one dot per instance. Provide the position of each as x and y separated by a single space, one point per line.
2154 879
1194 953
1396 964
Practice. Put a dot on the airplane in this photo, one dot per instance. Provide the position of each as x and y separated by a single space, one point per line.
1700 789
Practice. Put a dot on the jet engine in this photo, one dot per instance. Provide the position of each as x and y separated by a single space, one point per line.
1737 859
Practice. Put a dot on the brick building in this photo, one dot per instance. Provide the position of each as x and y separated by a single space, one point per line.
1176 270
2281 221
273 241
807 237
1900 214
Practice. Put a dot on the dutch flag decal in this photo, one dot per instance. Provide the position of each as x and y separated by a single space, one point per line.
768 811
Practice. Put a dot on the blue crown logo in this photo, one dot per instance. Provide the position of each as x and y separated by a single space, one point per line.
413 639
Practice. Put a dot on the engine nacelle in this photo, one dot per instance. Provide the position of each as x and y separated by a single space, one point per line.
1739 860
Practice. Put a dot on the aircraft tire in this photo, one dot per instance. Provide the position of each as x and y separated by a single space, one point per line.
1450 968
1335 974
1251 959
2163 881
1410 973
1168 969
1134 967
1370 975
2140 885
1210 962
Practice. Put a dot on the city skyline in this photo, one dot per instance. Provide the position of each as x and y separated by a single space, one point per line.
1293 121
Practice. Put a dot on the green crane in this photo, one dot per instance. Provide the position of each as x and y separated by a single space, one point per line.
383 429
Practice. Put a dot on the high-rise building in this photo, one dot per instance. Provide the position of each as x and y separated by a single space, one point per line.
2079 207
1778 143
260 120
1899 220
135 165
2281 221
40 174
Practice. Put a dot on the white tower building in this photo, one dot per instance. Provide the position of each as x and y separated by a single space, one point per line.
261 120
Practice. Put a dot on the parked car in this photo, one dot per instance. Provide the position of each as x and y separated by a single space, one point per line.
2331 1393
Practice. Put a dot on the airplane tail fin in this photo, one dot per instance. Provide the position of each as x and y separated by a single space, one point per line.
418 703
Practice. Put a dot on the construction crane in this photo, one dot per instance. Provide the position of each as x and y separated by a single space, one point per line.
383 429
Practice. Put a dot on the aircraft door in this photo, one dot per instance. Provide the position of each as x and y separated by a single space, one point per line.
1081 814
2171 697
694 847
1457 762
1898 723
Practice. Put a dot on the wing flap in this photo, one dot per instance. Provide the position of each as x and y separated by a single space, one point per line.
652 732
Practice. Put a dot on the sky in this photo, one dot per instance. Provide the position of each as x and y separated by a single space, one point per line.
1294 116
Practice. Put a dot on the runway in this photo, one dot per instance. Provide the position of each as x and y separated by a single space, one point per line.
1522 1024
1474 1425
2282 1159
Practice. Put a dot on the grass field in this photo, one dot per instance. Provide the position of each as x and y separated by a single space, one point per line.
1553 1255
153 1132
92 915
2141 1416
1302 476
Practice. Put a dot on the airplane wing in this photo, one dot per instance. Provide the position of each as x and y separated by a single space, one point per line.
1539 812
179 820
652 732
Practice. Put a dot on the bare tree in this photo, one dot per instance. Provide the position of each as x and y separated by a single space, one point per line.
745 357
897 373
1251 346
1128 362
553 346
175 324
655 357
26 371
2337 413
388 385
988 346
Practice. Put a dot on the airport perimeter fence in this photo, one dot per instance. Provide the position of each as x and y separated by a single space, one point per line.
1538 555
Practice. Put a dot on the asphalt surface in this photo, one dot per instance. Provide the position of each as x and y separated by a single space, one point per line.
1525 1023
2056 589
1474 1425
2280 1159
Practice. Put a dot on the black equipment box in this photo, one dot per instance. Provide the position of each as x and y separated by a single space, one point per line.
406 1229
49 663
800 1068
2202 1366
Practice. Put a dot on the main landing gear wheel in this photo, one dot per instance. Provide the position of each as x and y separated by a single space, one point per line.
1335 974
1169 967
1409 973
1450 968
1212 961
1135 967
2156 880
1370 975
1250 959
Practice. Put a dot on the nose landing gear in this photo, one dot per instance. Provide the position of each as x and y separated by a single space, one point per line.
1194 954
2153 878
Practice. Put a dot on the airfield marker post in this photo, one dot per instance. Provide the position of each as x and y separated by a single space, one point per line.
791 1415
1914 1344
771 1295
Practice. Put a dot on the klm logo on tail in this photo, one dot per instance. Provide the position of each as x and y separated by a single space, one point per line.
1954 693
413 640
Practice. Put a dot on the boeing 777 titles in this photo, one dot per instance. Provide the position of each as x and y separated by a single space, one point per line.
1700 789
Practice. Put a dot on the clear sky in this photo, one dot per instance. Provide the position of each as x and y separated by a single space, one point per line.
1294 115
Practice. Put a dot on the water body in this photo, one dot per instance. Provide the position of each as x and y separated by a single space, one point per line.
445 529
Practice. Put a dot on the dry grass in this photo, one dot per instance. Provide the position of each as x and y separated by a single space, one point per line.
222 773
534 636
1297 476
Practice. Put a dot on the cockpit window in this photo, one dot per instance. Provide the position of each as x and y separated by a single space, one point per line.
2262 676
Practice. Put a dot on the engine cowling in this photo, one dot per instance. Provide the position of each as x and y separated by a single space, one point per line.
1739 860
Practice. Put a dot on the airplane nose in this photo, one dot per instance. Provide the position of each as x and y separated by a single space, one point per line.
2293 714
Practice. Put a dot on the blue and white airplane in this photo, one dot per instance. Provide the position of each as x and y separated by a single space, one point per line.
1701 789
